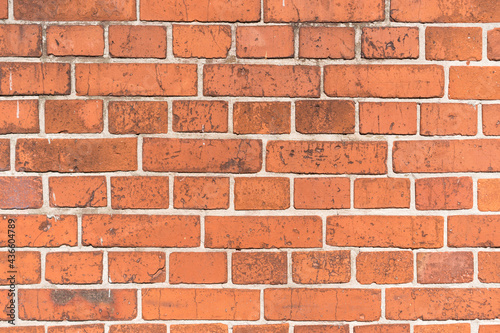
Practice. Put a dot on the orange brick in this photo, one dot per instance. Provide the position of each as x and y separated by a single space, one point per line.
200 116
387 267
443 193
277 328
388 118
271 41
199 328
449 328
383 328
320 267
261 117
382 193
474 83
261 80
324 117
135 41
321 329
488 195
4 9
19 116
489 328
491 119
201 192
473 231
75 40
494 44
97 328
139 192
4 155
489 270
20 40
322 193
445 267
20 192
136 267
261 193
326 42
200 304
137 328
259 268
77 191
247 232
398 81
329 157
23 329
140 231
142 79
390 43
77 304
201 41
73 116
26 264
448 119
385 231
198 267
138 117
73 267
453 43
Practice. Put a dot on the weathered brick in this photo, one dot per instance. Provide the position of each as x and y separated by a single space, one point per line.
445 267
474 82
138 117
489 270
390 43
22 329
261 117
448 119
27 267
75 40
96 328
261 193
198 267
20 40
199 328
388 118
444 193
4 9
325 117
139 192
453 43
326 42
136 267
448 328
494 44
488 195
201 41
489 328
387 267
474 231
19 116
382 193
276 328
383 328
73 116
200 116
491 119
73 267
77 191
135 41
318 267
322 193
259 268
201 192
137 328
270 41
20 192
4 154
32 78
321 329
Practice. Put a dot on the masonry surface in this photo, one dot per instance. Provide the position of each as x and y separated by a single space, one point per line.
248 166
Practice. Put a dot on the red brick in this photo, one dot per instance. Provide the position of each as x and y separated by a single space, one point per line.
383 328
20 116
200 116
20 40
261 193
138 117
388 267
277 328
390 43
322 304
201 41
73 116
73 267
324 117
322 193
136 267
75 40
4 9
32 78
199 328
474 82
491 119
489 270
320 267
448 119
397 81
444 193
211 155
200 304
382 193
135 41
261 80
329 157
474 231
4 154
385 231
77 305
76 155
449 328
441 156
140 231
445 267
388 118
137 328
247 232
321 329
259 268
42 231
23 329
494 44
77 191
453 43
193 10
139 192
96 328
488 195
261 117
20 192
442 304
444 11
141 79
198 267
314 11
201 192
489 328
271 41
326 42
5 302
27 266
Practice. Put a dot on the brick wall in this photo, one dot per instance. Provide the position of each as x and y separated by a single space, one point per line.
250 166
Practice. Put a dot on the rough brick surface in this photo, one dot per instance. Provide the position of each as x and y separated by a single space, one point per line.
75 40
